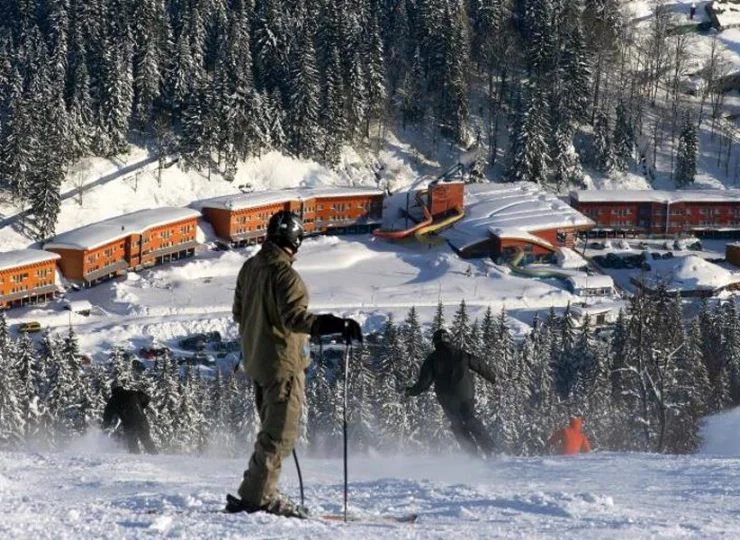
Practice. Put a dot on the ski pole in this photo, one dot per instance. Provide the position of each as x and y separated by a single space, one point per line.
347 349
300 478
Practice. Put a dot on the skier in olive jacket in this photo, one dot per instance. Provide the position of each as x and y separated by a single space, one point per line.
271 309
449 369
128 406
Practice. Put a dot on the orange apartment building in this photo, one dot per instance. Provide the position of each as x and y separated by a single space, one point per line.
133 241
242 219
27 277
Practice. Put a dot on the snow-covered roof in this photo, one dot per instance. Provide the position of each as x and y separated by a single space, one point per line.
657 196
241 201
110 230
596 308
584 281
514 209
24 257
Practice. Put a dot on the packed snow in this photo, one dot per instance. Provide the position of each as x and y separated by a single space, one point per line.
690 273
93 490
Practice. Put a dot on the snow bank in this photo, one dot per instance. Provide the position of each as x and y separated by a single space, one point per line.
721 434
691 273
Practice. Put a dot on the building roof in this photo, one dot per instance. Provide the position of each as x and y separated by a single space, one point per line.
657 196
110 230
584 281
513 210
242 201
25 257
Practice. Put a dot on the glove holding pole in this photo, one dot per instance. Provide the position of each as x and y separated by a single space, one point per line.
328 324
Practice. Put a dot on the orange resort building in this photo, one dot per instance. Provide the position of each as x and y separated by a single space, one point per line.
130 242
711 212
242 219
27 277
502 220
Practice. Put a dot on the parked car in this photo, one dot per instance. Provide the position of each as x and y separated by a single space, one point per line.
668 255
198 358
668 245
195 342
601 261
150 353
227 346
29 327
615 261
596 245
623 244
696 245
643 245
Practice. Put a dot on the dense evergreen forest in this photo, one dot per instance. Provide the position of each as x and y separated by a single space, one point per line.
644 387
545 86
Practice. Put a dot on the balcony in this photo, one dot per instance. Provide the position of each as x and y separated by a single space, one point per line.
36 291
120 266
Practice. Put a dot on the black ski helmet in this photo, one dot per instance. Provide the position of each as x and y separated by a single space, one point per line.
440 336
286 230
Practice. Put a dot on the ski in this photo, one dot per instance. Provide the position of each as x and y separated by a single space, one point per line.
235 505
372 518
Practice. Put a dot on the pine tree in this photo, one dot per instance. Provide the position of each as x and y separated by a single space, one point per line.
461 326
624 138
529 161
376 83
12 421
305 133
32 379
687 152
332 112
603 152
439 317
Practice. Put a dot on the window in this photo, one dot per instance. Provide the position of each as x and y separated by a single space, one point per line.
109 252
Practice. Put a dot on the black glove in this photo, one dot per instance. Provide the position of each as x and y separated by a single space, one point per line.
325 325
329 324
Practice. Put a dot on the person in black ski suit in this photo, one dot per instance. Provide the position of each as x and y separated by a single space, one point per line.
128 406
449 369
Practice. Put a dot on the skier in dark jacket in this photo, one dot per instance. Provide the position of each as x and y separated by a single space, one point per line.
128 406
449 369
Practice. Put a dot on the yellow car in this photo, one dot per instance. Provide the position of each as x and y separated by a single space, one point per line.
29 327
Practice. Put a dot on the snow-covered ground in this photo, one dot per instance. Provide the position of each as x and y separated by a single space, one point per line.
94 492
359 276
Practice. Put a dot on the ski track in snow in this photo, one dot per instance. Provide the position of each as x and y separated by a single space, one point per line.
607 495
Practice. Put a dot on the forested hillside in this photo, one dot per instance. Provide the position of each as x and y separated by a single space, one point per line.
218 81
645 387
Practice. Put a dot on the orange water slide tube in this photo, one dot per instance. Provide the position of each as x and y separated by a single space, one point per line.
398 235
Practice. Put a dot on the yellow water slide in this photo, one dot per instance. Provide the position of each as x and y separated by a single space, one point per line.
421 233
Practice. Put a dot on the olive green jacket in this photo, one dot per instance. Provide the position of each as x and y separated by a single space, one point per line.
271 309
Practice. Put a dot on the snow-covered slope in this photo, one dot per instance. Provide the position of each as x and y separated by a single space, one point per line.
84 495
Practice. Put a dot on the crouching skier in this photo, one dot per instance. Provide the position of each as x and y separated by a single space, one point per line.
449 369
128 406
271 310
